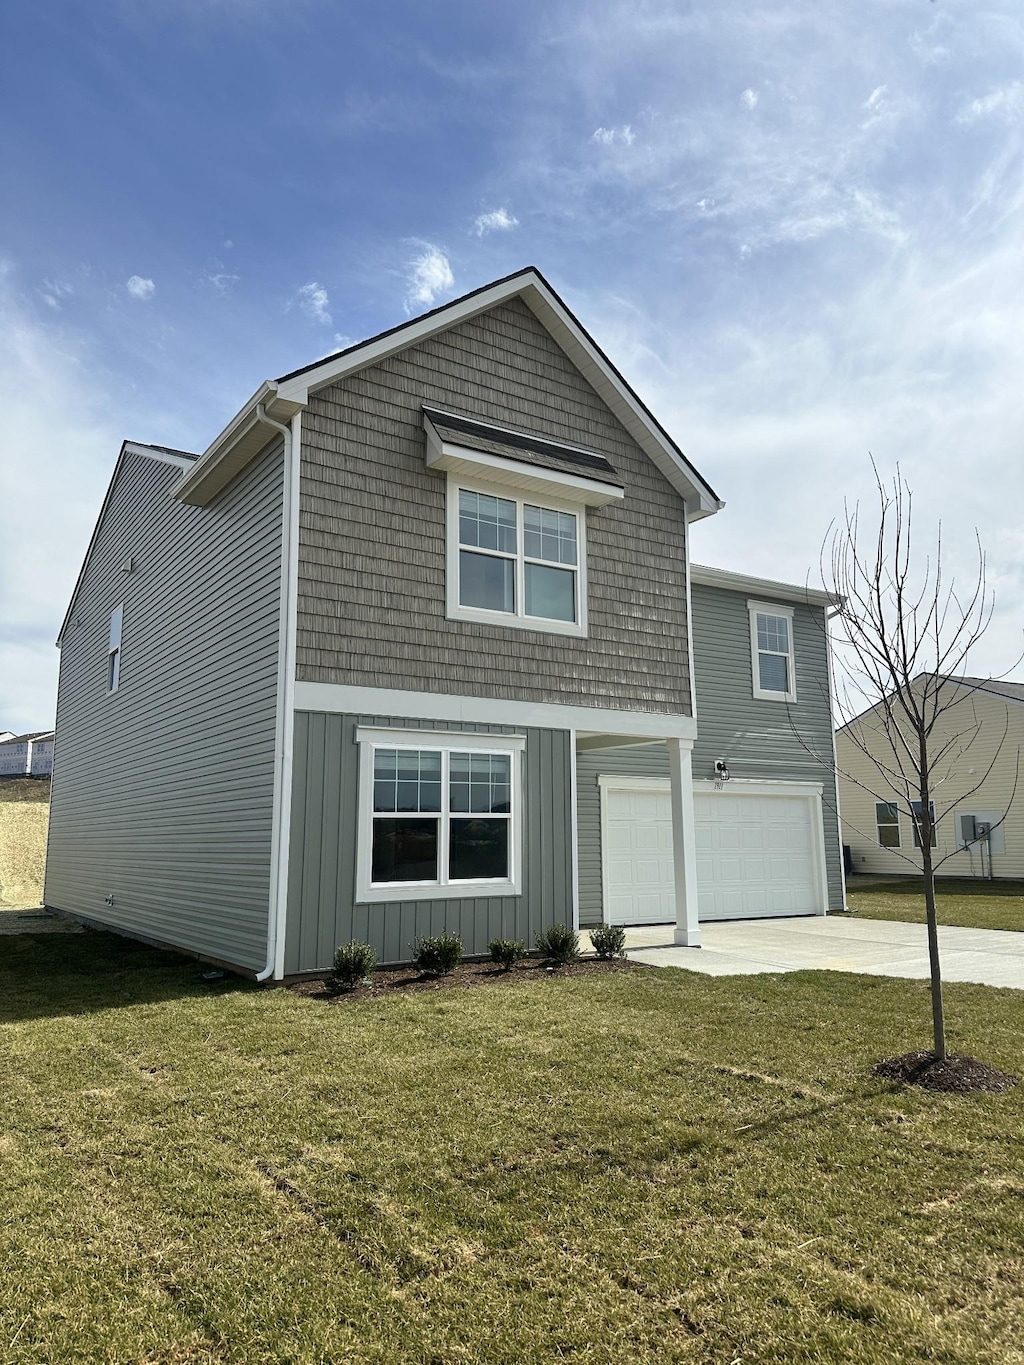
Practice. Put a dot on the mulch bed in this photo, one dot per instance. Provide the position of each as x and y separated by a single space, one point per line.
956 1074
392 980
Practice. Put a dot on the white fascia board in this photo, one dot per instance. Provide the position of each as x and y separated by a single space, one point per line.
342 699
160 456
584 354
529 478
767 587
240 441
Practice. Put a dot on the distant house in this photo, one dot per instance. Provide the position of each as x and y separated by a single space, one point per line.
411 647
978 788
28 755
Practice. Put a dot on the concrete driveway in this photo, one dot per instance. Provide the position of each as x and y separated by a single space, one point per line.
992 957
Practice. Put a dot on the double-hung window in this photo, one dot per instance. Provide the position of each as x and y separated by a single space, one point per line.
887 818
771 650
440 815
918 809
517 560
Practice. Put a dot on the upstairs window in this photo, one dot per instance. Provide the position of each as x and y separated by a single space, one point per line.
887 817
516 561
114 649
771 646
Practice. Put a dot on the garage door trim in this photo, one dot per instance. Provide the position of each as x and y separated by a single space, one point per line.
809 791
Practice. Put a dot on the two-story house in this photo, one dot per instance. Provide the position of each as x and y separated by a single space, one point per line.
406 596
28 755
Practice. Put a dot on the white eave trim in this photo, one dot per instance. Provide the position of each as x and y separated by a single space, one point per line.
240 441
566 331
767 587
529 478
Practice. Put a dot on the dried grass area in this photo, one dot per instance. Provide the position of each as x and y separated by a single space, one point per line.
24 819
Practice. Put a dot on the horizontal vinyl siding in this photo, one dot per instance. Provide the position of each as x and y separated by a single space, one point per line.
162 792
322 912
372 534
764 740
862 785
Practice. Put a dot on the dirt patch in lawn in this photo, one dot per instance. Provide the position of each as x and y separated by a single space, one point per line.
955 1074
388 981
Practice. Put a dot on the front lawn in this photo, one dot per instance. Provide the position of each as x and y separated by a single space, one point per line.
970 904
648 1166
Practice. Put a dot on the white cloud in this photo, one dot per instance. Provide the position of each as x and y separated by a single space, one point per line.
222 281
498 220
429 274
54 291
1006 102
610 137
876 99
313 300
749 99
140 288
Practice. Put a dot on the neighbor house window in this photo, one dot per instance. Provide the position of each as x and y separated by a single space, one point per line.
918 808
771 647
516 560
440 815
114 650
887 817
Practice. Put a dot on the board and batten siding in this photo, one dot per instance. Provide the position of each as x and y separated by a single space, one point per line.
756 738
371 608
162 790
322 910
995 728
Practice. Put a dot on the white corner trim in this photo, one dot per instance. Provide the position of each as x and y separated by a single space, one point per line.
516 620
343 699
574 833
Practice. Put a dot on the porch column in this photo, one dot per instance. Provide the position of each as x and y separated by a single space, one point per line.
683 846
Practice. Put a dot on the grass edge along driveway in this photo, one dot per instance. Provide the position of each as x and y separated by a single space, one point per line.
654 1166
969 904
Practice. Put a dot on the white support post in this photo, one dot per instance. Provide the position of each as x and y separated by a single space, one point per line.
683 843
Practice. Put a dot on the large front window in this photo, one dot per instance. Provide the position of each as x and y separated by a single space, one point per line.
441 817
519 559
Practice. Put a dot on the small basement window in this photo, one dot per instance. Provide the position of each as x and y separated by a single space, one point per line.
114 649
887 818
771 651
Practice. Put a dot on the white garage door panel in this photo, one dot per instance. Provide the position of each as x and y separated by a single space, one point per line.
756 856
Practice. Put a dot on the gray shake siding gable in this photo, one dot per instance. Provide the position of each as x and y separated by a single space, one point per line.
372 533
162 791
322 911
755 737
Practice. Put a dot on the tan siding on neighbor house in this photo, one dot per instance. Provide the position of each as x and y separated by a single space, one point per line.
372 534
862 785
162 790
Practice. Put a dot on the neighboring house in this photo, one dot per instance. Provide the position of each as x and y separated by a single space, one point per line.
398 603
26 755
978 788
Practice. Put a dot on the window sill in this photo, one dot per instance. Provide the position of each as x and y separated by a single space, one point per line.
501 618
774 696
377 895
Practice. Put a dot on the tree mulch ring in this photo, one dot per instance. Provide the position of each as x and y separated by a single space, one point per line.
955 1074
401 980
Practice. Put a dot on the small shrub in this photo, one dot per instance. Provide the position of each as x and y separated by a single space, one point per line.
439 955
559 944
609 940
353 962
506 952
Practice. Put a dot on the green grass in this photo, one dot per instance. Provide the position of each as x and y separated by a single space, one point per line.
971 904
649 1167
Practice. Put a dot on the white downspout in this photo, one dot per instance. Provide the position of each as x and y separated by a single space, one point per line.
282 808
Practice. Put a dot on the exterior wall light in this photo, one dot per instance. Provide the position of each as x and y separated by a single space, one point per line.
722 773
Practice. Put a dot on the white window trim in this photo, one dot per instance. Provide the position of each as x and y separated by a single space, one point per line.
114 649
772 609
457 612
888 824
368 739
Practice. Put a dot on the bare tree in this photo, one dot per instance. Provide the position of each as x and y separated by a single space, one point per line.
902 638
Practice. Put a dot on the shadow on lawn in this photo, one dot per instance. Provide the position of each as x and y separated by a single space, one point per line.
48 975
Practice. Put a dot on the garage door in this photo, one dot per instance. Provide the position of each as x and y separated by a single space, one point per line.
756 855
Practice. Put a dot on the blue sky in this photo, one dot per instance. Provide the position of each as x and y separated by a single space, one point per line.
796 227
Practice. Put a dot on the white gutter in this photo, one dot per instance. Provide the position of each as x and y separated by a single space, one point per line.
284 731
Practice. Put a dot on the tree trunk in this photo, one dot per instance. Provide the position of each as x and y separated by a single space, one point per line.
938 1019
